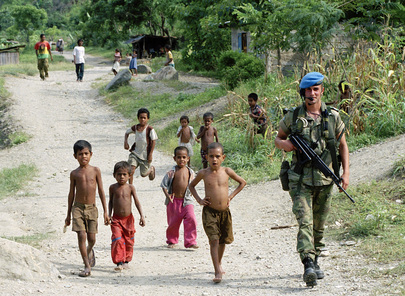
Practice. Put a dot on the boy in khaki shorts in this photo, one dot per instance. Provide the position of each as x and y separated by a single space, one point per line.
142 149
216 216
84 181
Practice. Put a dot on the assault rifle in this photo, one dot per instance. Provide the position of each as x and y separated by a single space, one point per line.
308 154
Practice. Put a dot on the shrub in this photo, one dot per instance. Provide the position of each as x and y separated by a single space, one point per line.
236 67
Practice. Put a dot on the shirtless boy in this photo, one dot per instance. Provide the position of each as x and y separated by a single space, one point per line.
186 135
207 134
84 181
216 216
122 221
178 201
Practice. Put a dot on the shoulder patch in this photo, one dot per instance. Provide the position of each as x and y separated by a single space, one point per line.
336 109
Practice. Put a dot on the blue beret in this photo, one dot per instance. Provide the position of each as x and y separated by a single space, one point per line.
311 79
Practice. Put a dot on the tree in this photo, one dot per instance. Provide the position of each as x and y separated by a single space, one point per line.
28 18
108 21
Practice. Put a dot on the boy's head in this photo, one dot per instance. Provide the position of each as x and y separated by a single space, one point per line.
143 116
208 118
184 120
80 42
252 99
168 47
80 145
215 155
122 172
181 156
42 37
82 152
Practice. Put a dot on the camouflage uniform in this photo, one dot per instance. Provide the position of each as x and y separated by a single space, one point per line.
310 190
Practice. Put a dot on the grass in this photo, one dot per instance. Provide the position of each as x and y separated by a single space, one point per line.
127 101
32 240
377 220
14 179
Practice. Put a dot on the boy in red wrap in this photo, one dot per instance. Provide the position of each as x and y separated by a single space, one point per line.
122 221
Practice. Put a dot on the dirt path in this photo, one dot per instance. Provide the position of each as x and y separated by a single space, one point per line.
261 261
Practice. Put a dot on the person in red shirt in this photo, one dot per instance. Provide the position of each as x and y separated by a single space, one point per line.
43 52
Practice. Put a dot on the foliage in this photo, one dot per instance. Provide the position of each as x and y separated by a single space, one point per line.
28 18
105 21
14 179
236 67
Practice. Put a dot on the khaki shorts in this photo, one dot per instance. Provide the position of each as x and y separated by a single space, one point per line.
143 165
84 217
217 225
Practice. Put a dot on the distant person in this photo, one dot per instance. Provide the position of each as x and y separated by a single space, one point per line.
128 58
78 59
43 52
169 56
258 114
186 135
179 207
208 134
142 150
345 98
117 61
60 45
133 65
84 181
120 214
216 216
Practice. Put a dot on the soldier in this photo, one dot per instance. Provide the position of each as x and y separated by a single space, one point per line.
309 189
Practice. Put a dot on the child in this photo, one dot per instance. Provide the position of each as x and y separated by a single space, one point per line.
117 61
216 217
186 134
207 134
122 222
258 114
142 149
81 203
179 201
169 56
78 59
133 65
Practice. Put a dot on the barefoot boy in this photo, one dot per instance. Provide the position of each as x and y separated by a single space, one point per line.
122 222
142 149
82 203
207 134
178 201
216 216
186 135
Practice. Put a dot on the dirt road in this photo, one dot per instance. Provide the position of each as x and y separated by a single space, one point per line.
261 261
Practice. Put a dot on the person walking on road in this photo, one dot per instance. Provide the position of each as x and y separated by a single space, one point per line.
324 131
43 52
78 59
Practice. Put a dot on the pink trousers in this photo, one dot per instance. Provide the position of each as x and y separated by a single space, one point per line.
176 213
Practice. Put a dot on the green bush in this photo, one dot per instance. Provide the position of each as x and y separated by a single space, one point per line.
236 67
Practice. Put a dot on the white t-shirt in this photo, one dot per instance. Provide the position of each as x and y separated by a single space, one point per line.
141 143
78 51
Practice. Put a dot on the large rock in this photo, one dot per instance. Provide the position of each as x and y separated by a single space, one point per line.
143 69
23 262
166 73
123 77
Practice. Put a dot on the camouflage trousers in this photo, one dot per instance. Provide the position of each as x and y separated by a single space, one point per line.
311 205
43 66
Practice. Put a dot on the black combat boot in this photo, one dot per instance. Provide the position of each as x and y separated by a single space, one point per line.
309 272
318 271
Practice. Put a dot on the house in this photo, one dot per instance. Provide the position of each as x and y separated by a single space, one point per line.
10 55
150 46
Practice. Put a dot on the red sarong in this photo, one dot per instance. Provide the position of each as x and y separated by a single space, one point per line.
122 238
